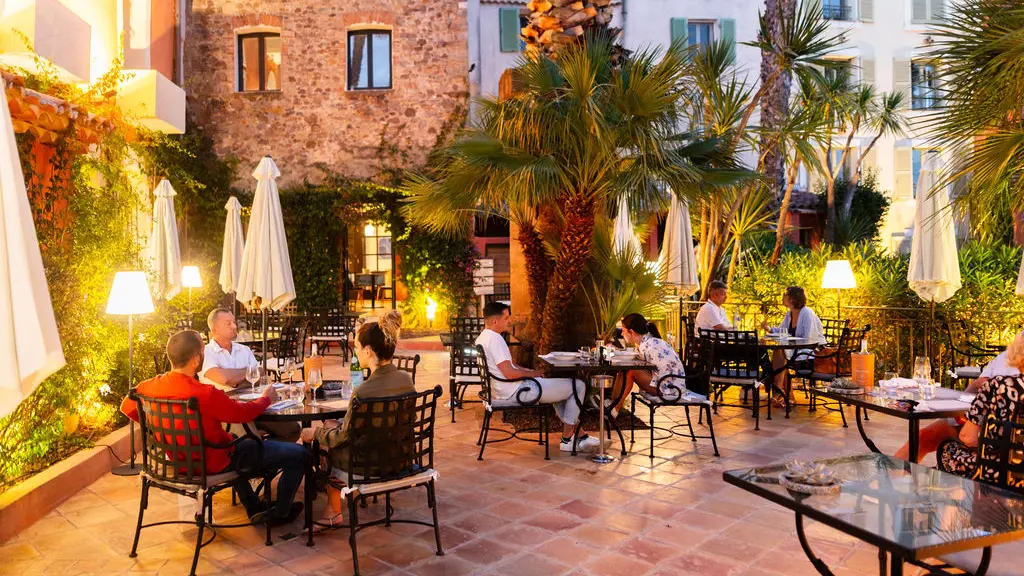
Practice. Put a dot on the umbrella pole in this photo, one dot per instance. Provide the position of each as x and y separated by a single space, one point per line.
264 341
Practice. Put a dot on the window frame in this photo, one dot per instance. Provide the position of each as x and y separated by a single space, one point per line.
837 10
369 32
261 49
711 32
934 100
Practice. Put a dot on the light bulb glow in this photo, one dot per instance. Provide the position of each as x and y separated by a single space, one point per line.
130 294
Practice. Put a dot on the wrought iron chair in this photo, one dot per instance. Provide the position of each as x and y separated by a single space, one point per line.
290 346
174 460
966 357
833 330
735 360
525 397
403 363
161 362
674 390
469 325
840 363
390 448
463 370
333 327
502 293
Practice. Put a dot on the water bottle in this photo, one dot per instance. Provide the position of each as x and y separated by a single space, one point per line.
355 374
736 319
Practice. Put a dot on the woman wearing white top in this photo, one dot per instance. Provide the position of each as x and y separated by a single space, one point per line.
799 322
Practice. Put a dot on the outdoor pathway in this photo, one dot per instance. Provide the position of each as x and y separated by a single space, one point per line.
513 513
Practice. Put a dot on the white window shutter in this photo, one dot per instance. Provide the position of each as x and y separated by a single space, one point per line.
901 80
867 70
904 172
937 10
919 11
867 10
870 162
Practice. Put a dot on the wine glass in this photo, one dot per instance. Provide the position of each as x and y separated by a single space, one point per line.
289 370
315 382
252 375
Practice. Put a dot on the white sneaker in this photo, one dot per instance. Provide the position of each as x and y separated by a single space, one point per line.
585 444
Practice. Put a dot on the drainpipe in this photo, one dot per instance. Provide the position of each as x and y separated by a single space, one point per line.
182 6
624 12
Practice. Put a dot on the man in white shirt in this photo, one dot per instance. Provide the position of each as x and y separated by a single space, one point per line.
711 315
935 433
556 391
225 363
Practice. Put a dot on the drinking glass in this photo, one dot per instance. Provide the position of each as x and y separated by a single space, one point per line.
315 382
927 389
289 370
252 375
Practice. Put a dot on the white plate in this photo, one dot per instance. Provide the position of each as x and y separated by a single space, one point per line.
564 355
249 396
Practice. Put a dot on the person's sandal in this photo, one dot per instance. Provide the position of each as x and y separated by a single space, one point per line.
329 523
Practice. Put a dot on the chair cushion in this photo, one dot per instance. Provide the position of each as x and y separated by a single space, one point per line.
735 373
1006 559
467 379
688 399
824 376
378 487
329 338
211 481
971 372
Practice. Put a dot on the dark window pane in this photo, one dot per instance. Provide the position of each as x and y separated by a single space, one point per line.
382 60
272 63
250 63
358 61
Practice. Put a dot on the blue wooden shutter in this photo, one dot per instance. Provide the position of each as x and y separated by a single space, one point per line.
729 36
508 27
680 29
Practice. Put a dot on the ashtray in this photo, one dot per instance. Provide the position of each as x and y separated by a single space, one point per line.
809 478
842 390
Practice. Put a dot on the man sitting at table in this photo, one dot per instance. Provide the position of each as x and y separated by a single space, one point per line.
939 431
185 352
556 391
711 315
225 363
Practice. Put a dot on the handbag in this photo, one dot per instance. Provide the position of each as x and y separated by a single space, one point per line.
827 363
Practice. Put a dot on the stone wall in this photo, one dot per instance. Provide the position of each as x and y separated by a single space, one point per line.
314 118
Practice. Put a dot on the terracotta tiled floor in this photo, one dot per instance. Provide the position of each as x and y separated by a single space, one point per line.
513 513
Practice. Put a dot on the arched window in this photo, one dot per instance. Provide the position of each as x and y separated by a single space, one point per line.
369 59
259 61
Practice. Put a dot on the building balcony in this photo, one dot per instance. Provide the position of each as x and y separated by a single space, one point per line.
46 29
153 100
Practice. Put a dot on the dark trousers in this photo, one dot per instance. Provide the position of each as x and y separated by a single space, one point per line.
291 459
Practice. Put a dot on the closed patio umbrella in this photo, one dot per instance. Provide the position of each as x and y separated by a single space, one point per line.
234 243
677 260
623 235
265 281
162 249
934 273
30 348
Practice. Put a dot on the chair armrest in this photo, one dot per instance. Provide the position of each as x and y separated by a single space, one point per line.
523 395
671 392
234 443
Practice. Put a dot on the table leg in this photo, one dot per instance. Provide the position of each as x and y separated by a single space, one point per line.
986 557
860 428
309 494
579 402
883 562
818 564
895 565
915 430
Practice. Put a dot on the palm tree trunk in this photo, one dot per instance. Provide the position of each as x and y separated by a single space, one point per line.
538 270
775 104
577 240
734 260
855 179
780 232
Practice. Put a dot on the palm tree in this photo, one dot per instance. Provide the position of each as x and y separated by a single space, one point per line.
588 128
884 117
775 105
982 77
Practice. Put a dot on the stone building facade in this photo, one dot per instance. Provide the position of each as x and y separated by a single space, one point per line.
314 104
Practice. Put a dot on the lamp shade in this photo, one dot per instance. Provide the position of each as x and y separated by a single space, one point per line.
838 274
130 294
190 277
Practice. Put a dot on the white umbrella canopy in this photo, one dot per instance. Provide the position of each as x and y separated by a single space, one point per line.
934 273
623 235
265 280
234 243
30 348
677 259
162 249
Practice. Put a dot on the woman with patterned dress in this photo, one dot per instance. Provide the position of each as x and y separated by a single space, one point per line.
998 401
636 330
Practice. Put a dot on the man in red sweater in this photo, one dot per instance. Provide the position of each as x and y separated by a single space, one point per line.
185 352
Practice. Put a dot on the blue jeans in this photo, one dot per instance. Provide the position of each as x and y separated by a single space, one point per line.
290 458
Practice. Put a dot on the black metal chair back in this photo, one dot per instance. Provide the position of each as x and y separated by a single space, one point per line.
962 350
391 438
291 344
468 326
695 359
463 357
849 342
1001 451
407 364
479 358
333 323
162 363
833 330
732 353
173 446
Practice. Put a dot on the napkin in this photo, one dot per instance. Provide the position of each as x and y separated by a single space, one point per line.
900 382
966 398
283 404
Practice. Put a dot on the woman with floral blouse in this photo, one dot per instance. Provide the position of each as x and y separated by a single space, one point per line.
998 401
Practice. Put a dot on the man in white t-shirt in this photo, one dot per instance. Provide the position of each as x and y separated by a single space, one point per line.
556 391
938 431
225 363
711 315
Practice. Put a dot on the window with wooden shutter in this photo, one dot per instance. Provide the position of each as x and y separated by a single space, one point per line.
936 10
729 36
508 29
679 28
904 172
919 11
867 70
867 10
901 79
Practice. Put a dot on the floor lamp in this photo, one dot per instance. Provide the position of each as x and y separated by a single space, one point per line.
838 275
190 279
129 296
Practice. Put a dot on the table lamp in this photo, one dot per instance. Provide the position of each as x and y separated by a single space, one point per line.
129 296
838 275
190 279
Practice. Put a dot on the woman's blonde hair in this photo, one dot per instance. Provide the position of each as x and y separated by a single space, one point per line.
1015 352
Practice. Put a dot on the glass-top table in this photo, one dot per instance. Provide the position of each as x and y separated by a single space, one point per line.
904 509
